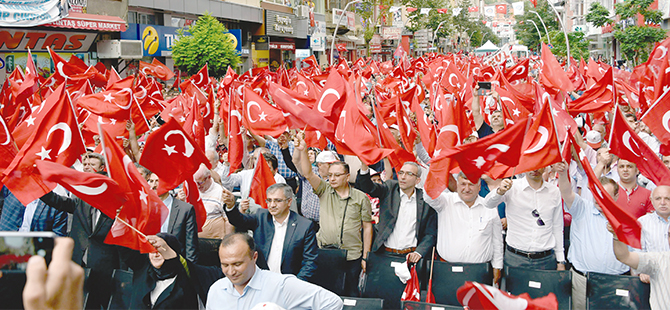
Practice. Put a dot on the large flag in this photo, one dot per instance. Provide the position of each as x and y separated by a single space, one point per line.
262 179
598 98
157 69
172 155
626 144
552 74
657 117
540 146
474 295
96 189
261 117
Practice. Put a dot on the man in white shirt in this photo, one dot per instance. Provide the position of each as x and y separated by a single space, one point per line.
534 221
467 231
244 177
655 225
216 226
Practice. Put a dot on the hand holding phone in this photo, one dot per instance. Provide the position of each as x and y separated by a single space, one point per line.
484 88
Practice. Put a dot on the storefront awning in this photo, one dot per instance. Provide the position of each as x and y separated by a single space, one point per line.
90 22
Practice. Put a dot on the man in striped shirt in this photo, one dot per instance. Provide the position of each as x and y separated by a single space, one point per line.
655 225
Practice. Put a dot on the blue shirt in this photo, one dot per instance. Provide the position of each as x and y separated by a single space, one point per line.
590 242
281 164
286 291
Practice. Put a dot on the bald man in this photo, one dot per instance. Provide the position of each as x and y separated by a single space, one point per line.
211 193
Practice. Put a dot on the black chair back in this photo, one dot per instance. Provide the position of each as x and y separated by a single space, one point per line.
331 270
606 291
539 283
381 280
11 289
363 303
448 277
122 289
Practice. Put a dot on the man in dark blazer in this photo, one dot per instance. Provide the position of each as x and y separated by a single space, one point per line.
89 230
44 218
286 241
181 222
413 234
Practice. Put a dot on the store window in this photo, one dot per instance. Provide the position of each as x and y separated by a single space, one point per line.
141 18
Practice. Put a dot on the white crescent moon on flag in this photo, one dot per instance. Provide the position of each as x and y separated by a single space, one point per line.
540 144
328 91
67 135
188 147
450 76
7 134
626 141
144 93
665 52
91 191
501 147
249 105
129 91
101 121
666 119
59 66
454 129
200 78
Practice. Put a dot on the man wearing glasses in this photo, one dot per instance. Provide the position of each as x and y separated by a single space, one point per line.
286 241
534 222
345 211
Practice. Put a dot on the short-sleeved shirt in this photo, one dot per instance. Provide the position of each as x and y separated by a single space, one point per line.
637 202
484 130
358 210
657 266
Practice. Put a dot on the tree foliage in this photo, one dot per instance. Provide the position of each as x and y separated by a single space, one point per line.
579 45
208 44
636 41
526 32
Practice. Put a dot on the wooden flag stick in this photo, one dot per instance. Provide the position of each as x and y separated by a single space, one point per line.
432 260
131 227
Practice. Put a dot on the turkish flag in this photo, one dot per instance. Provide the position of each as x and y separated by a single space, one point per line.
472 9
657 118
599 98
64 69
626 144
96 189
8 149
112 103
177 80
261 180
412 290
341 47
510 105
625 224
521 93
157 69
298 108
454 121
405 127
552 74
228 78
193 197
112 77
442 11
172 155
261 117
477 158
424 126
201 79
55 137
193 123
501 9
144 210
540 145
333 97
430 298
387 140
474 295
453 80
518 71
236 147
29 85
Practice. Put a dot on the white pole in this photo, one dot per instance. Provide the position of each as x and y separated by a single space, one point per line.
332 44
565 33
543 25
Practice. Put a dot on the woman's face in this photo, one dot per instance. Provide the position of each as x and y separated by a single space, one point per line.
311 155
156 260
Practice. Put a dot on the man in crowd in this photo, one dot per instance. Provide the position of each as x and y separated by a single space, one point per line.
245 285
93 162
407 224
345 211
285 240
496 117
275 147
590 248
216 226
468 232
243 178
181 221
534 221
655 225
631 195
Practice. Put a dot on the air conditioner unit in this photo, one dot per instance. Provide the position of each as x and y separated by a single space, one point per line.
120 49
302 11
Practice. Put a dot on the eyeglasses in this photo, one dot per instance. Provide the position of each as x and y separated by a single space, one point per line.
536 214
407 173
335 175
270 200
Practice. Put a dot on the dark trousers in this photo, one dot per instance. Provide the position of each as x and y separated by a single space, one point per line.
351 279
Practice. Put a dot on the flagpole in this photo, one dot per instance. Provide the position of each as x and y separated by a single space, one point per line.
141 112
609 141
69 99
131 227
432 262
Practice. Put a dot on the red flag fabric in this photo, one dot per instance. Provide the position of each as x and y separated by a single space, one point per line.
430 298
260 117
144 210
624 223
534 2
341 47
96 189
112 103
298 108
55 137
262 179
157 69
657 118
474 295
599 98
177 80
472 9
201 79
412 290
172 155
501 9
540 146
7 148
236 146
193 197
552 74
518 71
626 144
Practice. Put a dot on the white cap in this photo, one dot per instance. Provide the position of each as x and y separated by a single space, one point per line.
326 157
593 139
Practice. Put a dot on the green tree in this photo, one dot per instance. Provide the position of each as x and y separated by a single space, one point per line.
636 41
208 44
526 32
579 46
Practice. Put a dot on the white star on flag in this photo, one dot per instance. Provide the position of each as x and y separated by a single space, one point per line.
108 97
262 116
30 121
516 112
44 153
143 196
479 162
169 149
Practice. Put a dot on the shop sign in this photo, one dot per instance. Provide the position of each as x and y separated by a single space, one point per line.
391 33
78 6
282 46
318 38
283 24
376 44
31 13
38 40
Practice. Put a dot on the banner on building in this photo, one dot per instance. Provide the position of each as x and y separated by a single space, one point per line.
490 10
31 13
518 8
391 33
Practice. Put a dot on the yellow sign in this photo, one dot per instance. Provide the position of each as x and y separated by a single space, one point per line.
231 37
150 39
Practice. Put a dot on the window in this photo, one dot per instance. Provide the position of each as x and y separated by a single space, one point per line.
141 18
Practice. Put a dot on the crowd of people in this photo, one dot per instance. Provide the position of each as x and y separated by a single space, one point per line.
544 218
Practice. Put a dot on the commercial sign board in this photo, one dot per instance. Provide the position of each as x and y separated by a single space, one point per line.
158 40
391 33
31 13
286 46
280 24
15 40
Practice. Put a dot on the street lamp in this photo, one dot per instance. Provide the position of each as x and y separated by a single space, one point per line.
436 29
482 41
565 33
543 25
332 44
538 29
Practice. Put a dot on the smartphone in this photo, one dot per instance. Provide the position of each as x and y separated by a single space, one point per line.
484 88
17 247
